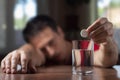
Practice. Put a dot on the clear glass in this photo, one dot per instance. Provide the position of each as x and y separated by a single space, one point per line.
82 56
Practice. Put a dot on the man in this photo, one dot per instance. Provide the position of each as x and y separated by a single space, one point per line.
46 45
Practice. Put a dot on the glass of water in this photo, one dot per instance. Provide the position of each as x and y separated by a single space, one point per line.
82 56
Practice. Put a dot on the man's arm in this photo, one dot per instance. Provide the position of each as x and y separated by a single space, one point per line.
26 56
101 31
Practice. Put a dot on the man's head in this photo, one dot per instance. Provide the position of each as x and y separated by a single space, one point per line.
44 34
37 24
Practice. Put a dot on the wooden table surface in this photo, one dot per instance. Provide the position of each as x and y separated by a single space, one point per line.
65 73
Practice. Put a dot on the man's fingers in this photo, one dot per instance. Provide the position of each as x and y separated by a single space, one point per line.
8 64
98 41
3 65
14 62
24 62
104 29
100 38
96 24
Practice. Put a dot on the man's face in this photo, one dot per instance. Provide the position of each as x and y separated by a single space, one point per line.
52 44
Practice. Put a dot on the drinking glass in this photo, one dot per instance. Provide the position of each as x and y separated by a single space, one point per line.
82 56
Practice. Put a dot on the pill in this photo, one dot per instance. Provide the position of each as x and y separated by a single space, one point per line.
84 33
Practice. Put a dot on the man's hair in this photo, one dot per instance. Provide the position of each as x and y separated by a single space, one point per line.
37 24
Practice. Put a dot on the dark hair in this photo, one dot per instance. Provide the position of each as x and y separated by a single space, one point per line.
37 24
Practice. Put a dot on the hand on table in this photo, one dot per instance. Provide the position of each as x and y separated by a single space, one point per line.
28 61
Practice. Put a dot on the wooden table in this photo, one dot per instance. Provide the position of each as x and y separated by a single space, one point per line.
65 73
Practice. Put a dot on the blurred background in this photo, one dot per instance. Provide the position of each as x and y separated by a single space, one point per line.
72 15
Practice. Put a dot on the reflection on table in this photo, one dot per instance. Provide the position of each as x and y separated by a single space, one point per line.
65 73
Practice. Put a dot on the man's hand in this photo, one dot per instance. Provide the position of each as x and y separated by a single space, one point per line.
101 31
26 57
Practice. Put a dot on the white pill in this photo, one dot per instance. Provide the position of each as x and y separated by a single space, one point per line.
19 67
84 33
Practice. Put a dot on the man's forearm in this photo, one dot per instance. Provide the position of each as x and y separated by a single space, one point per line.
27 48
107 55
